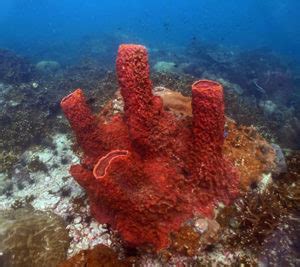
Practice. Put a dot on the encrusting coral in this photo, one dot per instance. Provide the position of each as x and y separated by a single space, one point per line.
147 171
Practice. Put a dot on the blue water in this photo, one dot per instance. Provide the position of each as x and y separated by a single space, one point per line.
49 48
27 25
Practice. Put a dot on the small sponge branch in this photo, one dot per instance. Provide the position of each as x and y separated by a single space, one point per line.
82 121
141 107
208 115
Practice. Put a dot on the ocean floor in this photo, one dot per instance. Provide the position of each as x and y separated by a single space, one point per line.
37 149
51 188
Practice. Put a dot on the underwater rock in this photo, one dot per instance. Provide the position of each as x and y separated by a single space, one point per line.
268 107
164 66
47 66
193 69
14 68
99 256
288 133
251 153
281 166
147 172
31 238
235 88
195 236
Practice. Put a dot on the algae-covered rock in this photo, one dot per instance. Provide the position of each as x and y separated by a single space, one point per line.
47 66
165 66
195 236
31 238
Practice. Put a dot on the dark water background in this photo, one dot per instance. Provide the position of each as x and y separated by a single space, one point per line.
32 26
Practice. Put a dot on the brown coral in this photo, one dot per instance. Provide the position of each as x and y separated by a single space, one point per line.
32 238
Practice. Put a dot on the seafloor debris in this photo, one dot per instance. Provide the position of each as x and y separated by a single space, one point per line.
149 171
31 238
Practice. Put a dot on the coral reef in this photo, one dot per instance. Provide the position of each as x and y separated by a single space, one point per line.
25 119
14 68
41 180
32 238
30 112
32 122
260 70
265 74
240 144
266 223
146 172
269 98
